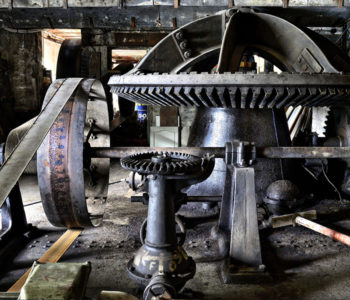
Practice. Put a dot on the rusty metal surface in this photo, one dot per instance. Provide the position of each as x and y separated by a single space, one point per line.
345 239
56 97
65 176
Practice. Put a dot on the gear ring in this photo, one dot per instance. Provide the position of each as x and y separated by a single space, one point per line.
163 163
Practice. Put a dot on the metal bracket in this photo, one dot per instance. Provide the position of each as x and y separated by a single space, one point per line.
238 223
240 153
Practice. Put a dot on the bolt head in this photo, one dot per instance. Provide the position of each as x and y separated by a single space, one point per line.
262 268
187 54
184 45
179 35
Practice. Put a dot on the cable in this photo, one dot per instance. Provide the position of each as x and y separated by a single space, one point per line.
330 182
32 203
118 181
312 174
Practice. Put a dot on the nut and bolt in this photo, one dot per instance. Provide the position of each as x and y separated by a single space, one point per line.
187 54
184 45
179 35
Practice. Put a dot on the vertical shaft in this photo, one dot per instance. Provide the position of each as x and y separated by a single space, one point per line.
161 230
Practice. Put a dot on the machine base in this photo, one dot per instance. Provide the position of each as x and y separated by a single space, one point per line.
231 273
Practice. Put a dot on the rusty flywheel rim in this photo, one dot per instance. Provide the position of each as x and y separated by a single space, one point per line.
62 171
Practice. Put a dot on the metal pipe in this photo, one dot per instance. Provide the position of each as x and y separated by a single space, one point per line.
345 239
262 152
303 152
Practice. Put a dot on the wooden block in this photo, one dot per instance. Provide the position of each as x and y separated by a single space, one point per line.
53 254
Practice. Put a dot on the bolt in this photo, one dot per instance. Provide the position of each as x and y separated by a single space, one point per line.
188 54
158 290
179 35
262 268
184 45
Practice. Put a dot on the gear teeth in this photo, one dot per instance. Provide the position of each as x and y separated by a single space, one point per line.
217 91
177 163
319 120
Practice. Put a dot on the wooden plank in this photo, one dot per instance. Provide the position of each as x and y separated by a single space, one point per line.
52 255
176 3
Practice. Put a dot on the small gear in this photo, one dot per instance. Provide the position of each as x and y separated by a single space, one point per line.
163 163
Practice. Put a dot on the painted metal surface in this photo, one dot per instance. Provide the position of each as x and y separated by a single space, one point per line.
162 253
221 116
232 90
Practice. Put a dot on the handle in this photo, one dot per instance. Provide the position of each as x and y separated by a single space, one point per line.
345 239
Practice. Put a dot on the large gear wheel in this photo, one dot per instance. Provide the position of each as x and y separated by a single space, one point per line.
233 105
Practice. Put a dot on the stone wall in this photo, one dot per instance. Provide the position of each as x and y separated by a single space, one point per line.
23 53
21 74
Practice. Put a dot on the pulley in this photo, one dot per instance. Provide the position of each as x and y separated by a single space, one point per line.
70 180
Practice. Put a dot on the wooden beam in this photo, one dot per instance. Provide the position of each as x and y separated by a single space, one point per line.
52 255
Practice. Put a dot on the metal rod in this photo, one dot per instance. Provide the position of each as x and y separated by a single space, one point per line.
345 239
118 152
262 152
303 152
